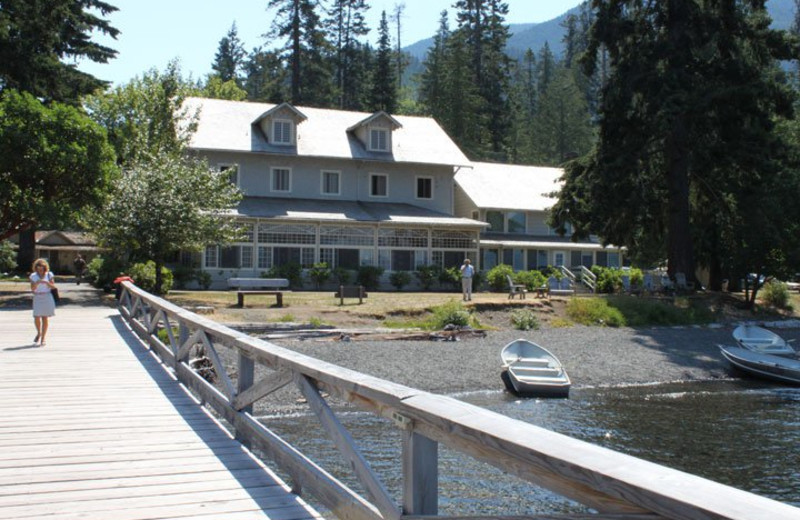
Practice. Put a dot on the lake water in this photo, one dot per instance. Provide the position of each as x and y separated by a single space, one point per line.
742 433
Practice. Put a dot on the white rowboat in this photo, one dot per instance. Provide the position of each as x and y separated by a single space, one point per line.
530 370
762 340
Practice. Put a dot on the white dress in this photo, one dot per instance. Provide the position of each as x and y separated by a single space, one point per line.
43 303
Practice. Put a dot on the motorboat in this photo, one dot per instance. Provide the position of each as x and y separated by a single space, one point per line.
761 340
530 370
765 366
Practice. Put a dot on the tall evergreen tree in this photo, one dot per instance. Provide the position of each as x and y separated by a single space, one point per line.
486 35
229 59
561 128
432 78
346 25
265 76
546 67
686 117
37 37
306 51
384 89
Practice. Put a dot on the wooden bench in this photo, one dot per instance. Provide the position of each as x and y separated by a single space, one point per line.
351 291
270 286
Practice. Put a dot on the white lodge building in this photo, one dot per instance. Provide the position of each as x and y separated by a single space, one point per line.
354 189
514 201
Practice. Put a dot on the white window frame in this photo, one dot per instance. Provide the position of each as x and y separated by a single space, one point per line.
286 124
272 179
385 176
417 180
374 140
563 255
211 257
338 182
224 167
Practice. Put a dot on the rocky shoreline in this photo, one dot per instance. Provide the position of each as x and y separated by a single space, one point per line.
593 357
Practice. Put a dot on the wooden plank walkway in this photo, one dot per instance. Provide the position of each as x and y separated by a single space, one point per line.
93 427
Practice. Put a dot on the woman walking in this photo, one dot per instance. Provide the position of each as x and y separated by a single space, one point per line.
44 306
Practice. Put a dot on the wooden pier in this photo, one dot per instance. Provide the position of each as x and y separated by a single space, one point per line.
93 427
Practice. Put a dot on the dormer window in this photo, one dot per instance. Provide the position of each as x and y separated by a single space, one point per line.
282 132
379 140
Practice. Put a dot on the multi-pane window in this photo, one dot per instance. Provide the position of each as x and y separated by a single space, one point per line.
378 185
379 140
330 183
281 179
516 222
424 188
282 131
453 239
264 257
286 234
397 237
211 256
496 221
347 236
246 258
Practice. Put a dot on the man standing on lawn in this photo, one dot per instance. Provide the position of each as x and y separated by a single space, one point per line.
467 272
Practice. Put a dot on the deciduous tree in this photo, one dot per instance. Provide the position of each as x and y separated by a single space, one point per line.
54 161
164 204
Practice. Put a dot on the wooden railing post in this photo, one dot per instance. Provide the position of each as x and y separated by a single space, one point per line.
246 370
420 474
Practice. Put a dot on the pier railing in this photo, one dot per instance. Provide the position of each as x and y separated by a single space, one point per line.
611 484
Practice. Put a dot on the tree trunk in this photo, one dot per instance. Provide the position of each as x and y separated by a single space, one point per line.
159 278
27 249
680 252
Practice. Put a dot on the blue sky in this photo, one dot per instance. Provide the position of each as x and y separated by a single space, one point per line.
156 31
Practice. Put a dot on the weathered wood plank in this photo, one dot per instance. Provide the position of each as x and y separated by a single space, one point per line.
92 427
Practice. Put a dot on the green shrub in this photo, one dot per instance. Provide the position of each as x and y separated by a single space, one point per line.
776 294
496 277
144 275
400 279
101 272
427 275
609 280
292 271
203 279
319 274
594 311
524 319
531 279
182 275
8 259
451 313
369 276
342 275
477 280
450 278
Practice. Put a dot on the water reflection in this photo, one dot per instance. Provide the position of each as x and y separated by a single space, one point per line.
739 433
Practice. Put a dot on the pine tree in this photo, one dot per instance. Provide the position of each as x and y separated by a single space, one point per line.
687 126
229 59
432 79
384 92
306 51
346 25
39 37
265 76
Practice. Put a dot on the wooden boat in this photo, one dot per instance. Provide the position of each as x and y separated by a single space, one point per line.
765 366
530 370
762 340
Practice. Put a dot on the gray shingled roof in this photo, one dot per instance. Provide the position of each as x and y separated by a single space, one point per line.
507 186
527 241
347 212
228 125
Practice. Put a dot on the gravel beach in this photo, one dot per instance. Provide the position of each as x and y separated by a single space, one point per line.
593 356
